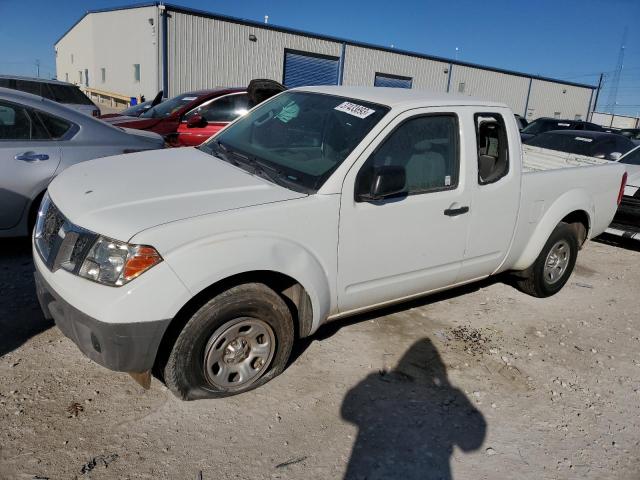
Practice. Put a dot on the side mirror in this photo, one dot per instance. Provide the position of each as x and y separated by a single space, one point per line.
196 121
385 181
614 156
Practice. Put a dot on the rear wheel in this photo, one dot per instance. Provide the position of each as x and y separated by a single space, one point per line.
239 340
554 265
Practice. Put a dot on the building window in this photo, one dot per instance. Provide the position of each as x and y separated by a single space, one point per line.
66 77
578 117
72 58
461 87
136 72
103 74
556 114
86 77
394 81
80 77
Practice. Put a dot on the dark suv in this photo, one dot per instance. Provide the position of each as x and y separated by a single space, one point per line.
542 125
60 92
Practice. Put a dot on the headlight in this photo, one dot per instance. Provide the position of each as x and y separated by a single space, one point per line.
115 263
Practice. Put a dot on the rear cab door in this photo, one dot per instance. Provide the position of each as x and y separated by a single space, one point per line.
494 153
29 157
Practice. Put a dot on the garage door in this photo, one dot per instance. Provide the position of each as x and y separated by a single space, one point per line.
302 69
395 81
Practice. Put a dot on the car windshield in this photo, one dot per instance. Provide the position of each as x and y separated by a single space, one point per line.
563 143
297 138
165 109
136 109
632 158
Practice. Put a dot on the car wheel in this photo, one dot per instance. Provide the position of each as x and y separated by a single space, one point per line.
237 341
554 265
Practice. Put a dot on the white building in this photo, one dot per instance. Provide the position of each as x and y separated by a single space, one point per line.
150 47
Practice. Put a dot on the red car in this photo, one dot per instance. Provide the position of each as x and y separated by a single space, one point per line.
190 118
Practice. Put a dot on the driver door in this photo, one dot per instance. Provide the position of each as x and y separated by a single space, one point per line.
414 242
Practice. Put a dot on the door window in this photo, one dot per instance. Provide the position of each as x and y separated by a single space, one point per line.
427 147
56 127
224 109
16 123
493 151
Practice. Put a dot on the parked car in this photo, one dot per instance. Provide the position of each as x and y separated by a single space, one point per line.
167 117
212 116
542 125
632 134
40 138
626 222
61 92
608 146
208 262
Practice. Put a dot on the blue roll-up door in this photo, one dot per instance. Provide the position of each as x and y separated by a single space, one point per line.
394 81
302 69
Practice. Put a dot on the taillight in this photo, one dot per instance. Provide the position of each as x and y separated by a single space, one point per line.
622 185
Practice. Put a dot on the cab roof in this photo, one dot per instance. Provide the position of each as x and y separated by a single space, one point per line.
402 97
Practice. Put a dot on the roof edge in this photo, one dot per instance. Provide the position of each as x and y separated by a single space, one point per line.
355 43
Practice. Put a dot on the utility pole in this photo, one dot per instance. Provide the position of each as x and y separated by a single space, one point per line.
615 80
595 104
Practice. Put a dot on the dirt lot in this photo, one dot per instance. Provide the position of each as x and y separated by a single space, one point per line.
481 382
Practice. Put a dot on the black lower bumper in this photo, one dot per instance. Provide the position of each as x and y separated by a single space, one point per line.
124 347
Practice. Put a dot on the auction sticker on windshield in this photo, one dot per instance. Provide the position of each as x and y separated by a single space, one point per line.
354 109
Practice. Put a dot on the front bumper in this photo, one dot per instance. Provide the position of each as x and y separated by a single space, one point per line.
124 347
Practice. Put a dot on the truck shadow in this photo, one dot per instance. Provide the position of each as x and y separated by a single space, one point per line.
20 314
409 419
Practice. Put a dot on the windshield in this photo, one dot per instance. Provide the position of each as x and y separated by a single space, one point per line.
563 143
165 109
300 137
632 158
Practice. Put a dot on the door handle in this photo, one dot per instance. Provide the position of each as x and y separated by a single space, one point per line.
453 212
31 157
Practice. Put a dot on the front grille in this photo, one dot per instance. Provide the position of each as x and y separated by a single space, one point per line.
60 243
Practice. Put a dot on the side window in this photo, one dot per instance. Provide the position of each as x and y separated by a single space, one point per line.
225 109
56 127
493 148
17 123
427 148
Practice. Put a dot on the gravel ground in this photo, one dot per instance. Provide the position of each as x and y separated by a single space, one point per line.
480 382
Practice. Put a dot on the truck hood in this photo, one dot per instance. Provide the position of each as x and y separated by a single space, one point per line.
123 195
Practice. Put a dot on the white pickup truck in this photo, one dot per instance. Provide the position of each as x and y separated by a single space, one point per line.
207 263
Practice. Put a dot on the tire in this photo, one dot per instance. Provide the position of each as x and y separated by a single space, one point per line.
237 341
541 282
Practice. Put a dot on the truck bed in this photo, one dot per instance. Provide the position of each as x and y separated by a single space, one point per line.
536 159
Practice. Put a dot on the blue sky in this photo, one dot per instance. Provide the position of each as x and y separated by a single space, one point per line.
569 39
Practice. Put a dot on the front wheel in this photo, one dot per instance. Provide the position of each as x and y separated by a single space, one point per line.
554 265
239 340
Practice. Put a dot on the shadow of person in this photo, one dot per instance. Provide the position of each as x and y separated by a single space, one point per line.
409 420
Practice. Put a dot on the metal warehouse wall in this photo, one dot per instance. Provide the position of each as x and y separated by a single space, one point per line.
501 87
618 121
205 52
549 99
362 64
114 40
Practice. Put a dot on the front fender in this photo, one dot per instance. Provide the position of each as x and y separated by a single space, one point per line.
208 261
568 202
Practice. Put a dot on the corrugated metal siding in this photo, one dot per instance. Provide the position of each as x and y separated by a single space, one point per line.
362 64
548 98
205 52
500 87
